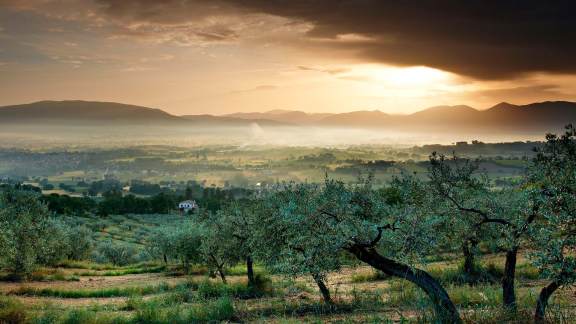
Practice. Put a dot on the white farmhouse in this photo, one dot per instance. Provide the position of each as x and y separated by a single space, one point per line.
187 205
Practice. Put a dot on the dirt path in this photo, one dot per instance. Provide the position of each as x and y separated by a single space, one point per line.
145 279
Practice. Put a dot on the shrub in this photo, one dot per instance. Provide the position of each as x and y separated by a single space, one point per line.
116 253
80 242
209 290
368 277
11 311
219 310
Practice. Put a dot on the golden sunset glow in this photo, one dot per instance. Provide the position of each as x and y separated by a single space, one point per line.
188 57
415 77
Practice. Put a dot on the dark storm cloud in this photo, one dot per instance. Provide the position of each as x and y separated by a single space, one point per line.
163 11
485 39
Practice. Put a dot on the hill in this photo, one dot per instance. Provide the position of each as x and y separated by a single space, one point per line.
503 117
84 112
536 117
283 116
357 119
92 113
223 121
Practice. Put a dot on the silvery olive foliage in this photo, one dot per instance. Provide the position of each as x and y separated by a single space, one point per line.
554 172
231 230
479 212
305 227
182 243
29 237
225 237
474 208
79 241
553 176
161 243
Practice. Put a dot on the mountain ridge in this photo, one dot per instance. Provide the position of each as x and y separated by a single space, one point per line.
87 113
547 115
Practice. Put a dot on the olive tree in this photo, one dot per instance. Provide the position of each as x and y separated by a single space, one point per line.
312 224
186 242
56 243
161 244
553 177
217 249
284 244
455 188
29 237
118 254
228 235
79 241
503 215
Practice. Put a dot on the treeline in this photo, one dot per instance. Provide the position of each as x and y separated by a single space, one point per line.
115 202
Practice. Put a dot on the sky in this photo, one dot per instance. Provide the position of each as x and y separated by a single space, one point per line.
226 56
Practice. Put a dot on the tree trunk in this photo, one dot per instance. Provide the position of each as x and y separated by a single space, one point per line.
545 294
323 289
469 266
186 265
222 276
165 259
250 271
443 306
508 291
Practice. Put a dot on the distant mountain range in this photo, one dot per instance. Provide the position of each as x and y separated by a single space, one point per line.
283 116
535 117
91 113
505 117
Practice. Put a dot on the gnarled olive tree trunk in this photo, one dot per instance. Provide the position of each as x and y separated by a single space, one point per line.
222 275
468 247
508 291
443 306
323 289
250 271
543 298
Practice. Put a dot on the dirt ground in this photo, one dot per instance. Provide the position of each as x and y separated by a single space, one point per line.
340 283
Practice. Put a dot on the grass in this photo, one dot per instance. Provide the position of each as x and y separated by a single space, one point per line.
204 290
240 270
122 272
209 289
489 273
11 310
285 301
369 277
221 309
362 302
217 310
212 311
69 264
98 293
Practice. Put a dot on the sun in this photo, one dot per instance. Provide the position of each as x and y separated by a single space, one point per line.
419 75
416 76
